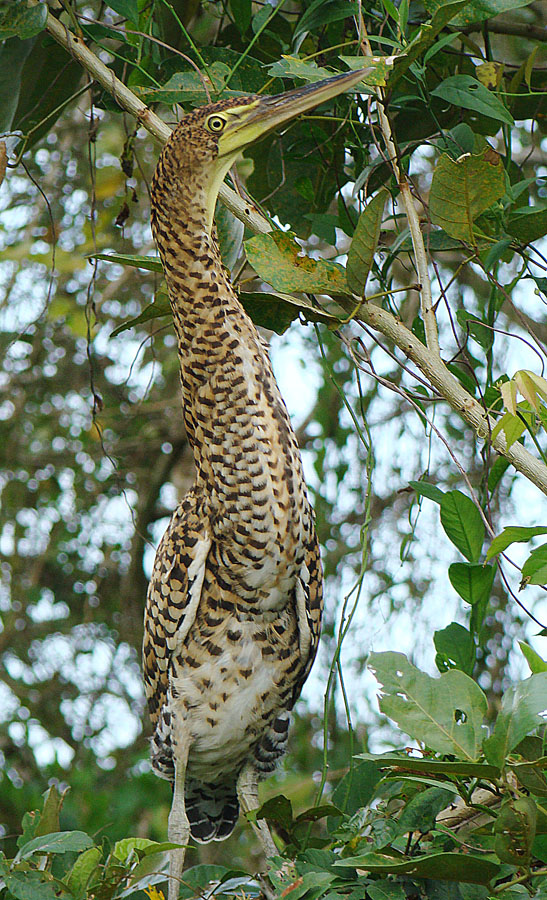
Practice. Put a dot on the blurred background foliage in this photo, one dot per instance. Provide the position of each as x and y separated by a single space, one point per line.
93 455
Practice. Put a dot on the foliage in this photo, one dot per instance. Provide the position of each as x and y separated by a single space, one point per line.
418 505
466 808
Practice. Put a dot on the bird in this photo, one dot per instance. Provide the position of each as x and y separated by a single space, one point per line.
233 611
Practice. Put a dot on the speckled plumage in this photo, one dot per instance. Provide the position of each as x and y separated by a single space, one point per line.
233 613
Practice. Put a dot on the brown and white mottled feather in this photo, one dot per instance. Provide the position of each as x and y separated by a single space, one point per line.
234 606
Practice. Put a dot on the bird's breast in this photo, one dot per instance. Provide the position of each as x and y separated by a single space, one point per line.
228 683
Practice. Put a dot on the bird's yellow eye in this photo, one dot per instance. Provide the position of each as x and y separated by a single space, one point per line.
216 124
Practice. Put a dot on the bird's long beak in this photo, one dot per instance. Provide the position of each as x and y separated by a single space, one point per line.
252 121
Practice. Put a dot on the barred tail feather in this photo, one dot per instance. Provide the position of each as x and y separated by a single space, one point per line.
212 810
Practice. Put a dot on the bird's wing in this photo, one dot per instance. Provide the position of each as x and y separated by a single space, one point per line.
173 597
309 608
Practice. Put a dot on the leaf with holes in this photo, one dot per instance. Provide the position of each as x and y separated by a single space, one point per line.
364 243
465 91
464 188
278 259
445 713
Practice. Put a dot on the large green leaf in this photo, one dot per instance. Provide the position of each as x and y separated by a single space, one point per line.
462 867
472 582
278 259
276 311
33 886
513 534
22 21
445 713
56 842
463 524
521 706
462 189
364 243
467 92
13 55
478 10
527 225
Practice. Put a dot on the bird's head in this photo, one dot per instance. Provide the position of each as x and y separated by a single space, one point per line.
207 141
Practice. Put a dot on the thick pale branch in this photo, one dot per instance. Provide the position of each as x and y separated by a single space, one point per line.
432 366
128 101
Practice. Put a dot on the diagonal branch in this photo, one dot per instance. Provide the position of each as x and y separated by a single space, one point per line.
128 101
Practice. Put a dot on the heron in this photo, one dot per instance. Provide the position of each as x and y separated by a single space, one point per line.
233 611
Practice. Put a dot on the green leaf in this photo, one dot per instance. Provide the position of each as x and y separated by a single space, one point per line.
153 263
56 842
356 789
276 809
277 311
242 11
377 68
293 67
521 706
49 818
463 524
465 91
430 766
32 885
455 648
322 12
512 427
478 10
528 225
127 8
534 660
122 849
425 489
277 258
386 890
13 55
472 582
462 189
21 21
420 811
513 534
364 243
534 570
160 307
462 867
445 713
82 870
515 830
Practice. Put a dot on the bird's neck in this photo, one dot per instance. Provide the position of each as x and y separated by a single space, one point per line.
236 421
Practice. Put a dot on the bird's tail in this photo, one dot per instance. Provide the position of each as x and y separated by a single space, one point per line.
212 810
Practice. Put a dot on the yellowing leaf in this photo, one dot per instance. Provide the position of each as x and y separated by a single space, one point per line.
279 261
508 391
527 388
462 189
512 427
490 74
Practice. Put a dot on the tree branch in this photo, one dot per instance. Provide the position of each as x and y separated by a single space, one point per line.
128 101
470 410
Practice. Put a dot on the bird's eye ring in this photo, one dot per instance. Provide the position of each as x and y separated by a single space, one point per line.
216 124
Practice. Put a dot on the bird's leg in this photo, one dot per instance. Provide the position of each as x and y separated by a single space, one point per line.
247 792
178 829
